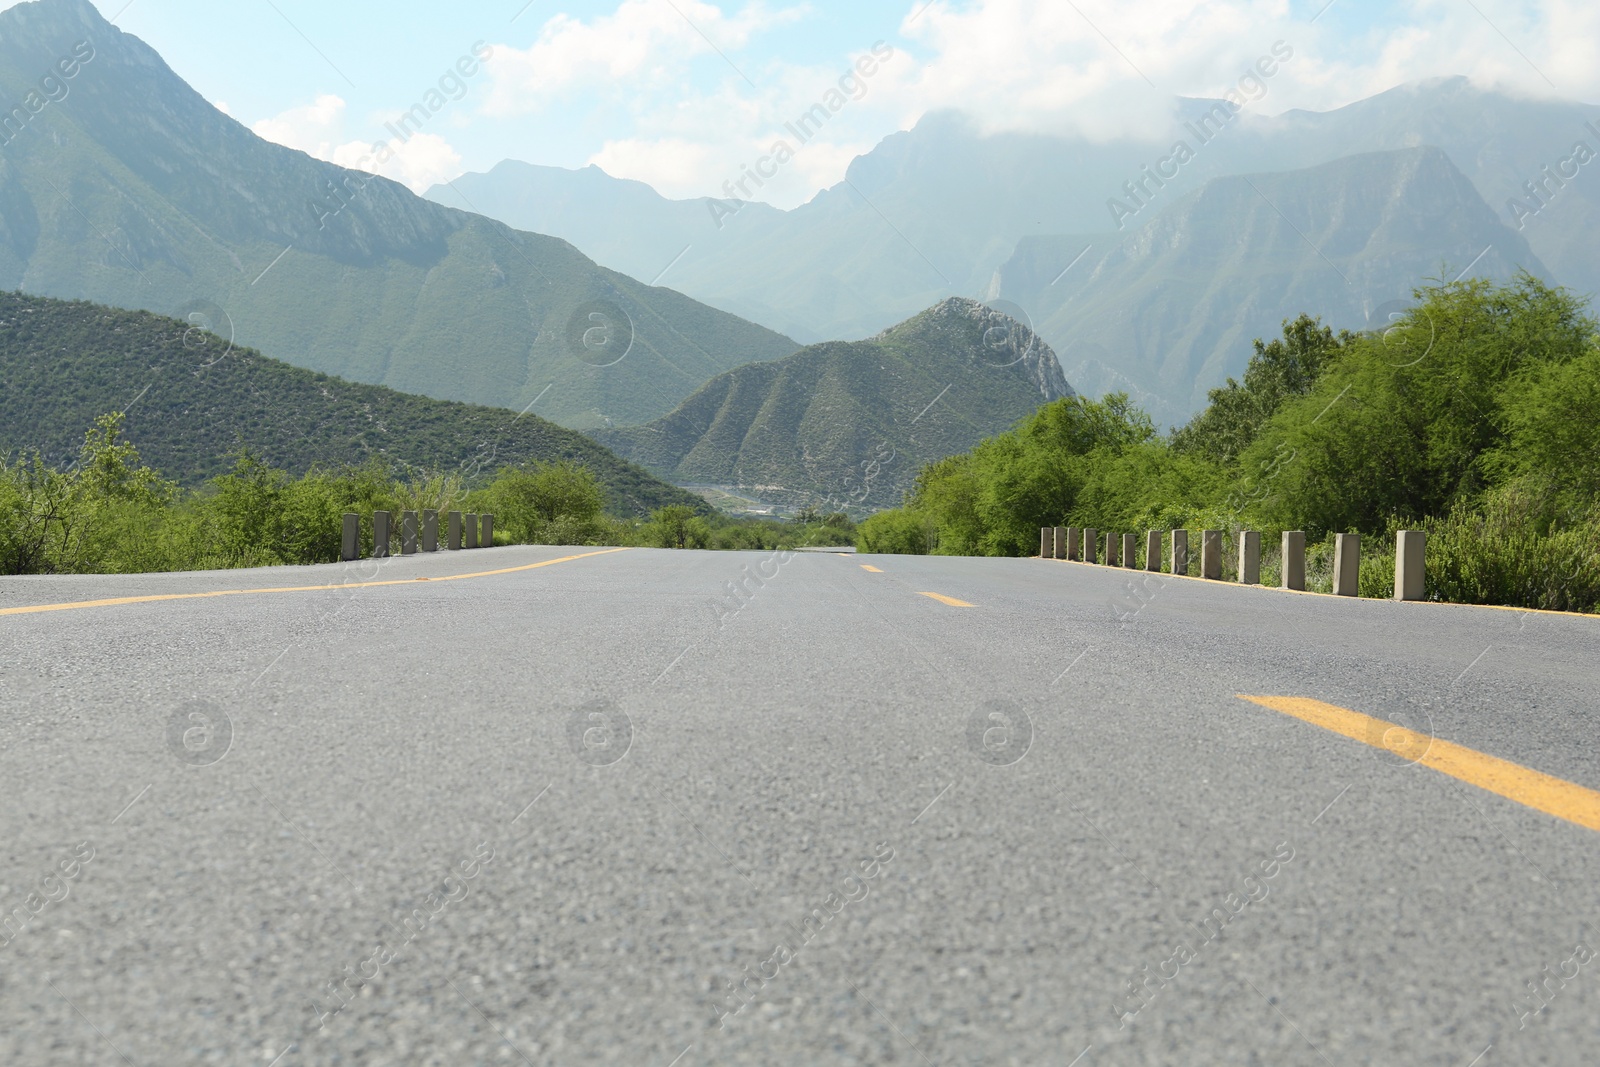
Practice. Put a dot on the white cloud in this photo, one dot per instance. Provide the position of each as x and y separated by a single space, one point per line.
643 44
669 112
312 128
318 129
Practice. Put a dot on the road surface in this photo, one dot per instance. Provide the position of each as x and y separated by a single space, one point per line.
868 810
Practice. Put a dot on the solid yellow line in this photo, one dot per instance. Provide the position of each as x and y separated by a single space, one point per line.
291 588
952 601
870 567
1526 786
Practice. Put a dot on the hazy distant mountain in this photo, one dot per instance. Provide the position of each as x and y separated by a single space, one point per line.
937 210
131 190
622 224
1167 310
191 399
848 424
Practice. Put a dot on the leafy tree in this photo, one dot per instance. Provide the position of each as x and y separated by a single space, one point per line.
1280 369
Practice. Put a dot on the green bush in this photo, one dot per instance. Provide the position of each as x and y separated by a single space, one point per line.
898 532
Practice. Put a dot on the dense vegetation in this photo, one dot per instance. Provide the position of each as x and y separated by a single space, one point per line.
1475 416
108 512
191 398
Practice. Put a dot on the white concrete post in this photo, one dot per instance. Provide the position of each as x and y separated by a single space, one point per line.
453 531
471 530
1047 542
1130 550
1294 559
1074 543
408 533
1089 543
380 534
1409 551
1113 542
1152 550
1059 549
1250 557
1211 554
1347 564
486 530
350 538
430 530
1180 551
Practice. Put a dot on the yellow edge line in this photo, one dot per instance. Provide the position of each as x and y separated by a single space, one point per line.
1310 592
32 609
952 601
870 567
1534 789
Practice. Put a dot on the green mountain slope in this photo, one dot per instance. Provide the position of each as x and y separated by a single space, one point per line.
848 424
191 397
133 191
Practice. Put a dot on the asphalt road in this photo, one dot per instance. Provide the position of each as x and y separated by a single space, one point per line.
600 812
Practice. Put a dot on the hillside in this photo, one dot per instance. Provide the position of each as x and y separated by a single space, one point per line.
846 425
191 397
134 191
1169 309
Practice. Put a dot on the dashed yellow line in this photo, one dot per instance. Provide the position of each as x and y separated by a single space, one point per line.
952 601
1531 788
115 601
870 567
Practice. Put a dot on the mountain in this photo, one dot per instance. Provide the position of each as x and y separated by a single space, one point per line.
1168 310
600 214
125 187
192 397
938 209
848 424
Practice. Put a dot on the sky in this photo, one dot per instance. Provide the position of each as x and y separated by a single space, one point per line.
685 94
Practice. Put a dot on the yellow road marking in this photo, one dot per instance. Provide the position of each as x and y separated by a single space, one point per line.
952 601
1526 786
870 567
31 609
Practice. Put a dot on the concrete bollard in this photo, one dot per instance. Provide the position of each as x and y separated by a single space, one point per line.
1152 550
1074 543
453 531
1180 551
1089 535
408 533
380 534
1347 564
1130 550
1249 557
1060 539
1409 555
1113 542
470 530
1294 559
1047 542
1211 554
350 538
430 530
486 530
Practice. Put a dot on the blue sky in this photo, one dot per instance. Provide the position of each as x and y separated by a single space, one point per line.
683 93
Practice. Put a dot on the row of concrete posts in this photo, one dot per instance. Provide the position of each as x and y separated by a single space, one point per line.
461 531
1070 542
